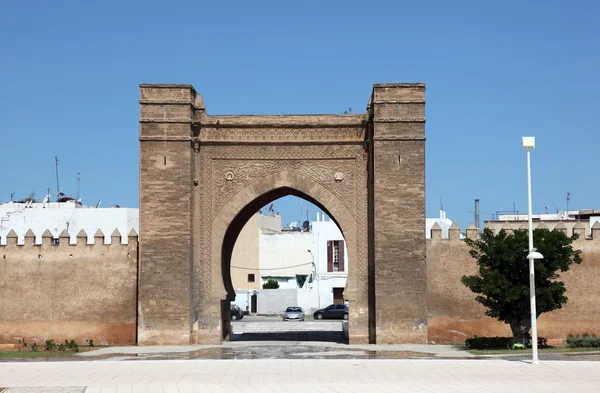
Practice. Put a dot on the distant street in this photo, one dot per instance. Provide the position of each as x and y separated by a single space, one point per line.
260 328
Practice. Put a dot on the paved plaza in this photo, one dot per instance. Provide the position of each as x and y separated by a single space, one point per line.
309 375
282 364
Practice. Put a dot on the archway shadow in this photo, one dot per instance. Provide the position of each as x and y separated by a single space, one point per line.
309 336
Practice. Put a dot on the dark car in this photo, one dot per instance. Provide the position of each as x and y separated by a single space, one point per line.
335 311
236 312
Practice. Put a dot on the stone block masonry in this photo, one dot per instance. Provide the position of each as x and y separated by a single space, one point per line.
57 290
454 315
205 175
400 279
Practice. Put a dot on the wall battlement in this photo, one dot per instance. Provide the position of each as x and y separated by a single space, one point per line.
57 289
454 315
49 241
454 232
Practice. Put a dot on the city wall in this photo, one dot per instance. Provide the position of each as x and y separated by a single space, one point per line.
79 289
69 290
454 315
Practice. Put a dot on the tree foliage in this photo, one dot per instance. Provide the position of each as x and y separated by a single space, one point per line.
502 284
271 284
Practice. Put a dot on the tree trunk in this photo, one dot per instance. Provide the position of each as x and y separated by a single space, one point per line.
520 326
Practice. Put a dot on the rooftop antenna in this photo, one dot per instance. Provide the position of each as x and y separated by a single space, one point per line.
477 213
555 206
568 200
441 204
58 189
78 182
12 194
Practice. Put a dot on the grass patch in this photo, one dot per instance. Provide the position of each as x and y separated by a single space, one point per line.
528 351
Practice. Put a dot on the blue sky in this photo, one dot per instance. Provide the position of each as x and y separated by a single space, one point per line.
495 71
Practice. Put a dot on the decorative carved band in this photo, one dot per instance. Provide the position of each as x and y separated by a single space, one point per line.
292 140
167 101
420 101
262 126
278 135
401 120
400 138
165 138
163 120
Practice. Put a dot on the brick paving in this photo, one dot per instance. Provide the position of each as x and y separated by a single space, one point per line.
309 375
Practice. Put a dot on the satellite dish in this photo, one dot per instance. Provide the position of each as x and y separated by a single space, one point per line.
306 225
271 207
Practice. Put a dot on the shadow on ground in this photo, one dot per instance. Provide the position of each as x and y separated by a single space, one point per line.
331 337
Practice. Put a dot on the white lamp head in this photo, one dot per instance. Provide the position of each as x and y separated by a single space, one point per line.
529 142
535 255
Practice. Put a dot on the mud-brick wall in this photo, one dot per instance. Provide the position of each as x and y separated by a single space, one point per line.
454 315
69 291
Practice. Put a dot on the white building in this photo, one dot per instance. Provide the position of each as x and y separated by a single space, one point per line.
331 262
443 222
283 256
71 216
310 265
569 220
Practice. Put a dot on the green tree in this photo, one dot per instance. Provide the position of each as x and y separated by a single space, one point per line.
502 284
271 284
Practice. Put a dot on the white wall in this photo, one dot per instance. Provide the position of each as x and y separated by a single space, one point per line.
325 229
593 220
275 301
57 217
443 222
284 254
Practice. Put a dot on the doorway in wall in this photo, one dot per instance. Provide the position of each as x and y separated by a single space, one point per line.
338 295
285 246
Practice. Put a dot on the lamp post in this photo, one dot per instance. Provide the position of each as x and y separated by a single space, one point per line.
529 145
317 278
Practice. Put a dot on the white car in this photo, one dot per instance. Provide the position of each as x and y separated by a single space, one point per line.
293 314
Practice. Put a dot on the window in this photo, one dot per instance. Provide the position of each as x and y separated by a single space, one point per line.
250 277
335 256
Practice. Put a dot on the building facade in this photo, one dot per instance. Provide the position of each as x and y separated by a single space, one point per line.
309 264
70 216
578 221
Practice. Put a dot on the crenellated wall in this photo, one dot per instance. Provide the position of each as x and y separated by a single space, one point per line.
454 315
61 289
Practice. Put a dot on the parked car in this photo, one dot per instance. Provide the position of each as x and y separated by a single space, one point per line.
236 312
334 311
293 314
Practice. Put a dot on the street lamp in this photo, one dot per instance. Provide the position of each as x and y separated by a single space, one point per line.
529 145
317 278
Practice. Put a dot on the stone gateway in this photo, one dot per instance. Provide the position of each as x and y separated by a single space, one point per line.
203 176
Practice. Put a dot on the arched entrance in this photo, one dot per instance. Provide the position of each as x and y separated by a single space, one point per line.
283 253
286 183
201 176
